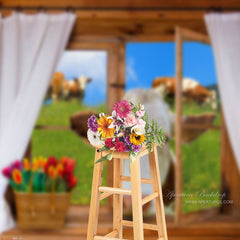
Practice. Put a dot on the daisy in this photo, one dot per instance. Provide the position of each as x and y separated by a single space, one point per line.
122 108
94 138
104 127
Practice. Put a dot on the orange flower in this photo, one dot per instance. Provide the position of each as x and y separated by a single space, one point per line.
52 172
104 129
35 164
42 162
26 164
59 170
17 176
63 160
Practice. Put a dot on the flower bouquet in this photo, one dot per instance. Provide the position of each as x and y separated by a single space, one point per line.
42 190
126 130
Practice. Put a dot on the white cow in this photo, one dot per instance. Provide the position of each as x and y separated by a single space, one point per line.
158 110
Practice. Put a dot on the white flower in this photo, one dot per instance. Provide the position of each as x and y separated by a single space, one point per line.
94 138
141 107
101 115
138 129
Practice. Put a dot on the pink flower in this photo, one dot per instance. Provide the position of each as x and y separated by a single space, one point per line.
140 113
7 172
122 108
130 120
141 122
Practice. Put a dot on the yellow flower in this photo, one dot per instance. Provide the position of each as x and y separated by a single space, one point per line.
26 164
42 162
35 164
137 139
104 129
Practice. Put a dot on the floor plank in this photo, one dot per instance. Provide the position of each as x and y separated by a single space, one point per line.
207 225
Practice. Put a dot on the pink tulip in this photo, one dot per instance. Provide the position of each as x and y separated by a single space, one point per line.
7 172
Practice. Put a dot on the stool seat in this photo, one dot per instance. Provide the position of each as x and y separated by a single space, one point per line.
101 192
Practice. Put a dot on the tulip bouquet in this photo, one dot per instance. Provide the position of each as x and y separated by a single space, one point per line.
41 175
126 130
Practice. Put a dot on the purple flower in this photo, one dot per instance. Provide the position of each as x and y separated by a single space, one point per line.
17 165
126 148
127 140
92 123
136 148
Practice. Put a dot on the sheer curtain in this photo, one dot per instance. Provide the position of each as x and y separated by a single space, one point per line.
30 47
224 31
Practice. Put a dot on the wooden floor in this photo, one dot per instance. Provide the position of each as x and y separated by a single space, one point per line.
205 226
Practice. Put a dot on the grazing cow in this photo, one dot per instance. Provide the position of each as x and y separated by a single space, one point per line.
192 90
59 86
157 109
56 85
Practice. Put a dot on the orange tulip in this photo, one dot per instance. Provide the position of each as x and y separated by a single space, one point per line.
59 169
63 160
52 172
26 164
42 162
17 176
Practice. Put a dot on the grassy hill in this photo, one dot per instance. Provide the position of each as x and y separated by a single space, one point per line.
201 158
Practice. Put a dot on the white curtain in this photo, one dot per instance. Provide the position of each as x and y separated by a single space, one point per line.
30 48
224 31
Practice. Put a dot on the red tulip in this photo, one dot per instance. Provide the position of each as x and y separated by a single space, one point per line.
71 181
52 161
68 167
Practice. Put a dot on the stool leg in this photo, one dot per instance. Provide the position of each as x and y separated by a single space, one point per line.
160 216
117 198
136 199
95 198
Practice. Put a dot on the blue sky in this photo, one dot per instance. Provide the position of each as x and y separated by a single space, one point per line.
144 62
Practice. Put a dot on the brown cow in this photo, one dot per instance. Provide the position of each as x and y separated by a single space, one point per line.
67 88
192 90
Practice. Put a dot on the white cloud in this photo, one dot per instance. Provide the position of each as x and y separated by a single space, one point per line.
131 73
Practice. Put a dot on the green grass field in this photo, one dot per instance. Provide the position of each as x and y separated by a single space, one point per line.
201 173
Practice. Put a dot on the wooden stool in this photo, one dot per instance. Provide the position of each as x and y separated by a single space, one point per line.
99 192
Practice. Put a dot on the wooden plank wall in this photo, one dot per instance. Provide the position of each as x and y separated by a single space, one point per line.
127 3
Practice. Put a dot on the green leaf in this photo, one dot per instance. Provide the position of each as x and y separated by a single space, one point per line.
132 156
61 185
106 157
104 148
